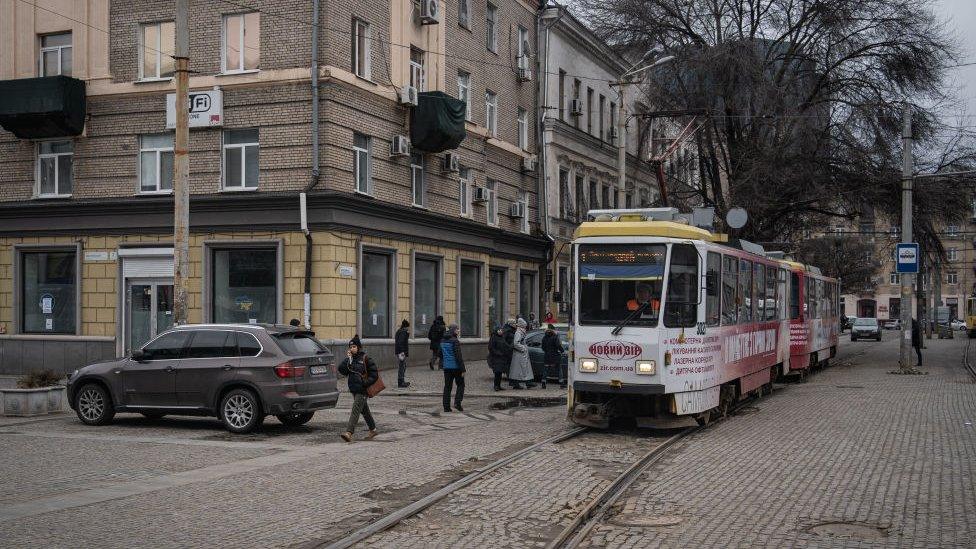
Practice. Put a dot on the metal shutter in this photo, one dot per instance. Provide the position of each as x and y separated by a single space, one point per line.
147 267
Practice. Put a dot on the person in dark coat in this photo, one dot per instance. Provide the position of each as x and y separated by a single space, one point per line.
499 351
552 346
509 333
435 334
917 340
360 371
453 364
401 347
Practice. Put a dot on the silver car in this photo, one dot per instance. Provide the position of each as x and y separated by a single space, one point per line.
239 373
866 328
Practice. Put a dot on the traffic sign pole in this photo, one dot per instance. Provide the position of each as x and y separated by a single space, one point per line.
905 348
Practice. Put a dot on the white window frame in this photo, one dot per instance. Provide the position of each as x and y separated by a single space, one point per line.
464 191
56 156
464 13
491 27
223 161
523 129
894 279
365 57
362 156
523 198
491 206
418 71
952 254
224 69
59 49
158 156
491 113
952 231
952 278
418 178
158 47
464 92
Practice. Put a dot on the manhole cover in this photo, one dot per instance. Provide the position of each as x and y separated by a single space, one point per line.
645 522
851 530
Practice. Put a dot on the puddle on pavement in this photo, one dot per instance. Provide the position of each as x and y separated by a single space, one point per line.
848 530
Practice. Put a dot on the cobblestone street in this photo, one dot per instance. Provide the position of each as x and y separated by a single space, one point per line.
851 445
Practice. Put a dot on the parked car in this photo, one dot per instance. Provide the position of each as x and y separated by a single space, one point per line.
239 373
533 340
849 322
957 324
892 324
866 328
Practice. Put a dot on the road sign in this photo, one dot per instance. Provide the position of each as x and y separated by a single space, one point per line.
907 255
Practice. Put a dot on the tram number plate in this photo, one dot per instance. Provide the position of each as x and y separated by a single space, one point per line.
701 328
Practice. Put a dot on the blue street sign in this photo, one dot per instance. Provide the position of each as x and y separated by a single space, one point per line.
907 258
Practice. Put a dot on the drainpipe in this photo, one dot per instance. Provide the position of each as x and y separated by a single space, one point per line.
542 39
303 204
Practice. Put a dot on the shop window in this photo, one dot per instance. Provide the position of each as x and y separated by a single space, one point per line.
469 300
426 294
49 292
527 295
245 285
376 294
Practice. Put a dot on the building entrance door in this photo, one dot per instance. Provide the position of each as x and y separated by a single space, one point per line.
148 310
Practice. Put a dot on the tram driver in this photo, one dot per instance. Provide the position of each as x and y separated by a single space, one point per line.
643 293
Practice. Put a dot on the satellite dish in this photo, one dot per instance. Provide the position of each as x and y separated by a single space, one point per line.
737 217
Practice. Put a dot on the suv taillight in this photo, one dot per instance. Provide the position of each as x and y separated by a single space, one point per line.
287 369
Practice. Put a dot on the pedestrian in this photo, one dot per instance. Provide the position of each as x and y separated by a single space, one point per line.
550 318
509 331
360 372
552 346
401 347
435 334
295 322
520 369
499 355
453 364
533 323
917 341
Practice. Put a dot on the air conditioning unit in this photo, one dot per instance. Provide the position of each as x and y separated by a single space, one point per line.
576 107
480 194
612 134
429 12
400 146
524 68
452 163
529 163
408 96
517 209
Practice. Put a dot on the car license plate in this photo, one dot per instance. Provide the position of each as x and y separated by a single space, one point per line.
318 370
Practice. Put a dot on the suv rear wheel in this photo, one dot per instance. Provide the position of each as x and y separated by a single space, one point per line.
94 405
294 419
240 411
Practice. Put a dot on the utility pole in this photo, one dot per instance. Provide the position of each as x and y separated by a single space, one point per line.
181 164
622 145
905 358
936 294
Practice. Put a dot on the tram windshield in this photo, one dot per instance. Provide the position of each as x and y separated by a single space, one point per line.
620 282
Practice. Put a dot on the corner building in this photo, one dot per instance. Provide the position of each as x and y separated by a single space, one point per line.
395 232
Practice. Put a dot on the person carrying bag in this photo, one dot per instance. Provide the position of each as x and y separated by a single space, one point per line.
364 382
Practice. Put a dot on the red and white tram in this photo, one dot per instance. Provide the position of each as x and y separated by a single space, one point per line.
670 322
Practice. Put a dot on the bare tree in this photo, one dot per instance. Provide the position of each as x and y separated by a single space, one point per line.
803 99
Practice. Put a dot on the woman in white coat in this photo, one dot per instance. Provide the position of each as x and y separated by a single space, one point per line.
521 369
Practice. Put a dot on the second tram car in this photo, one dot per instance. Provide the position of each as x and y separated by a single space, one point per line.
670 322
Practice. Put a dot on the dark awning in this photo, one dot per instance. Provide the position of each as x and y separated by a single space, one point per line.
36 108
437 122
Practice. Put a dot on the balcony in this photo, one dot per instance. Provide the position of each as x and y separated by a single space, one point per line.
41 108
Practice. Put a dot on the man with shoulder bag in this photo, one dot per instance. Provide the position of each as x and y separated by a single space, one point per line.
364 382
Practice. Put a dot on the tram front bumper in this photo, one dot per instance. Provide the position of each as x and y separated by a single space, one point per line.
623 389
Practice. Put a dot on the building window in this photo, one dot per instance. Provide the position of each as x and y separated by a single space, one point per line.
565 209
242 42
464 191
156 50
241 159
417 180
491 113
613 118
55 57
497 297
629 200
644 198
952 254
580 197
469 300
491 27
54 160
594 196
464 13
245 285
362 168
894 278
361 49
605 197
377 294
492 203
156 163
523 129
48 292
426 294
562 94
952 278
563 288
418 78
523 198
952 231
527 293
603 104
589 111
464 92
577 86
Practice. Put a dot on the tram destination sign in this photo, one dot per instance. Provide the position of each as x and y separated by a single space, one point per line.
907 255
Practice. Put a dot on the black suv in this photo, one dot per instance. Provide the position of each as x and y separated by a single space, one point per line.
237 372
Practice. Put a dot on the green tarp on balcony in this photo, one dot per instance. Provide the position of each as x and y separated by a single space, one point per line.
437 122
38 108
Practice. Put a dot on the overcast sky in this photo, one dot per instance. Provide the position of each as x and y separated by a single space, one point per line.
961 18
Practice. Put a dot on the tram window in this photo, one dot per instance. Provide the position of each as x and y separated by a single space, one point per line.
745 291
713 283
681 307
618 279
770 293
758 293
821 309
730 276
794 296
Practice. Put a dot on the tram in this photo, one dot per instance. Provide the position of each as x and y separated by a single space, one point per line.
971 317
672 323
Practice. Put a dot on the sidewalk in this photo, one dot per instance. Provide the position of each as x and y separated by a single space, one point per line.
478 380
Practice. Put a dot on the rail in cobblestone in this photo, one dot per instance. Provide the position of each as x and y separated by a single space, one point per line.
966 359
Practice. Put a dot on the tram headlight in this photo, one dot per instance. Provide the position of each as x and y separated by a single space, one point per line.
647 367
588 365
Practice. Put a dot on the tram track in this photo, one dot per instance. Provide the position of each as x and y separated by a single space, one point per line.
966 359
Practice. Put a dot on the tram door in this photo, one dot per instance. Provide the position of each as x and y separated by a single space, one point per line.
148 310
